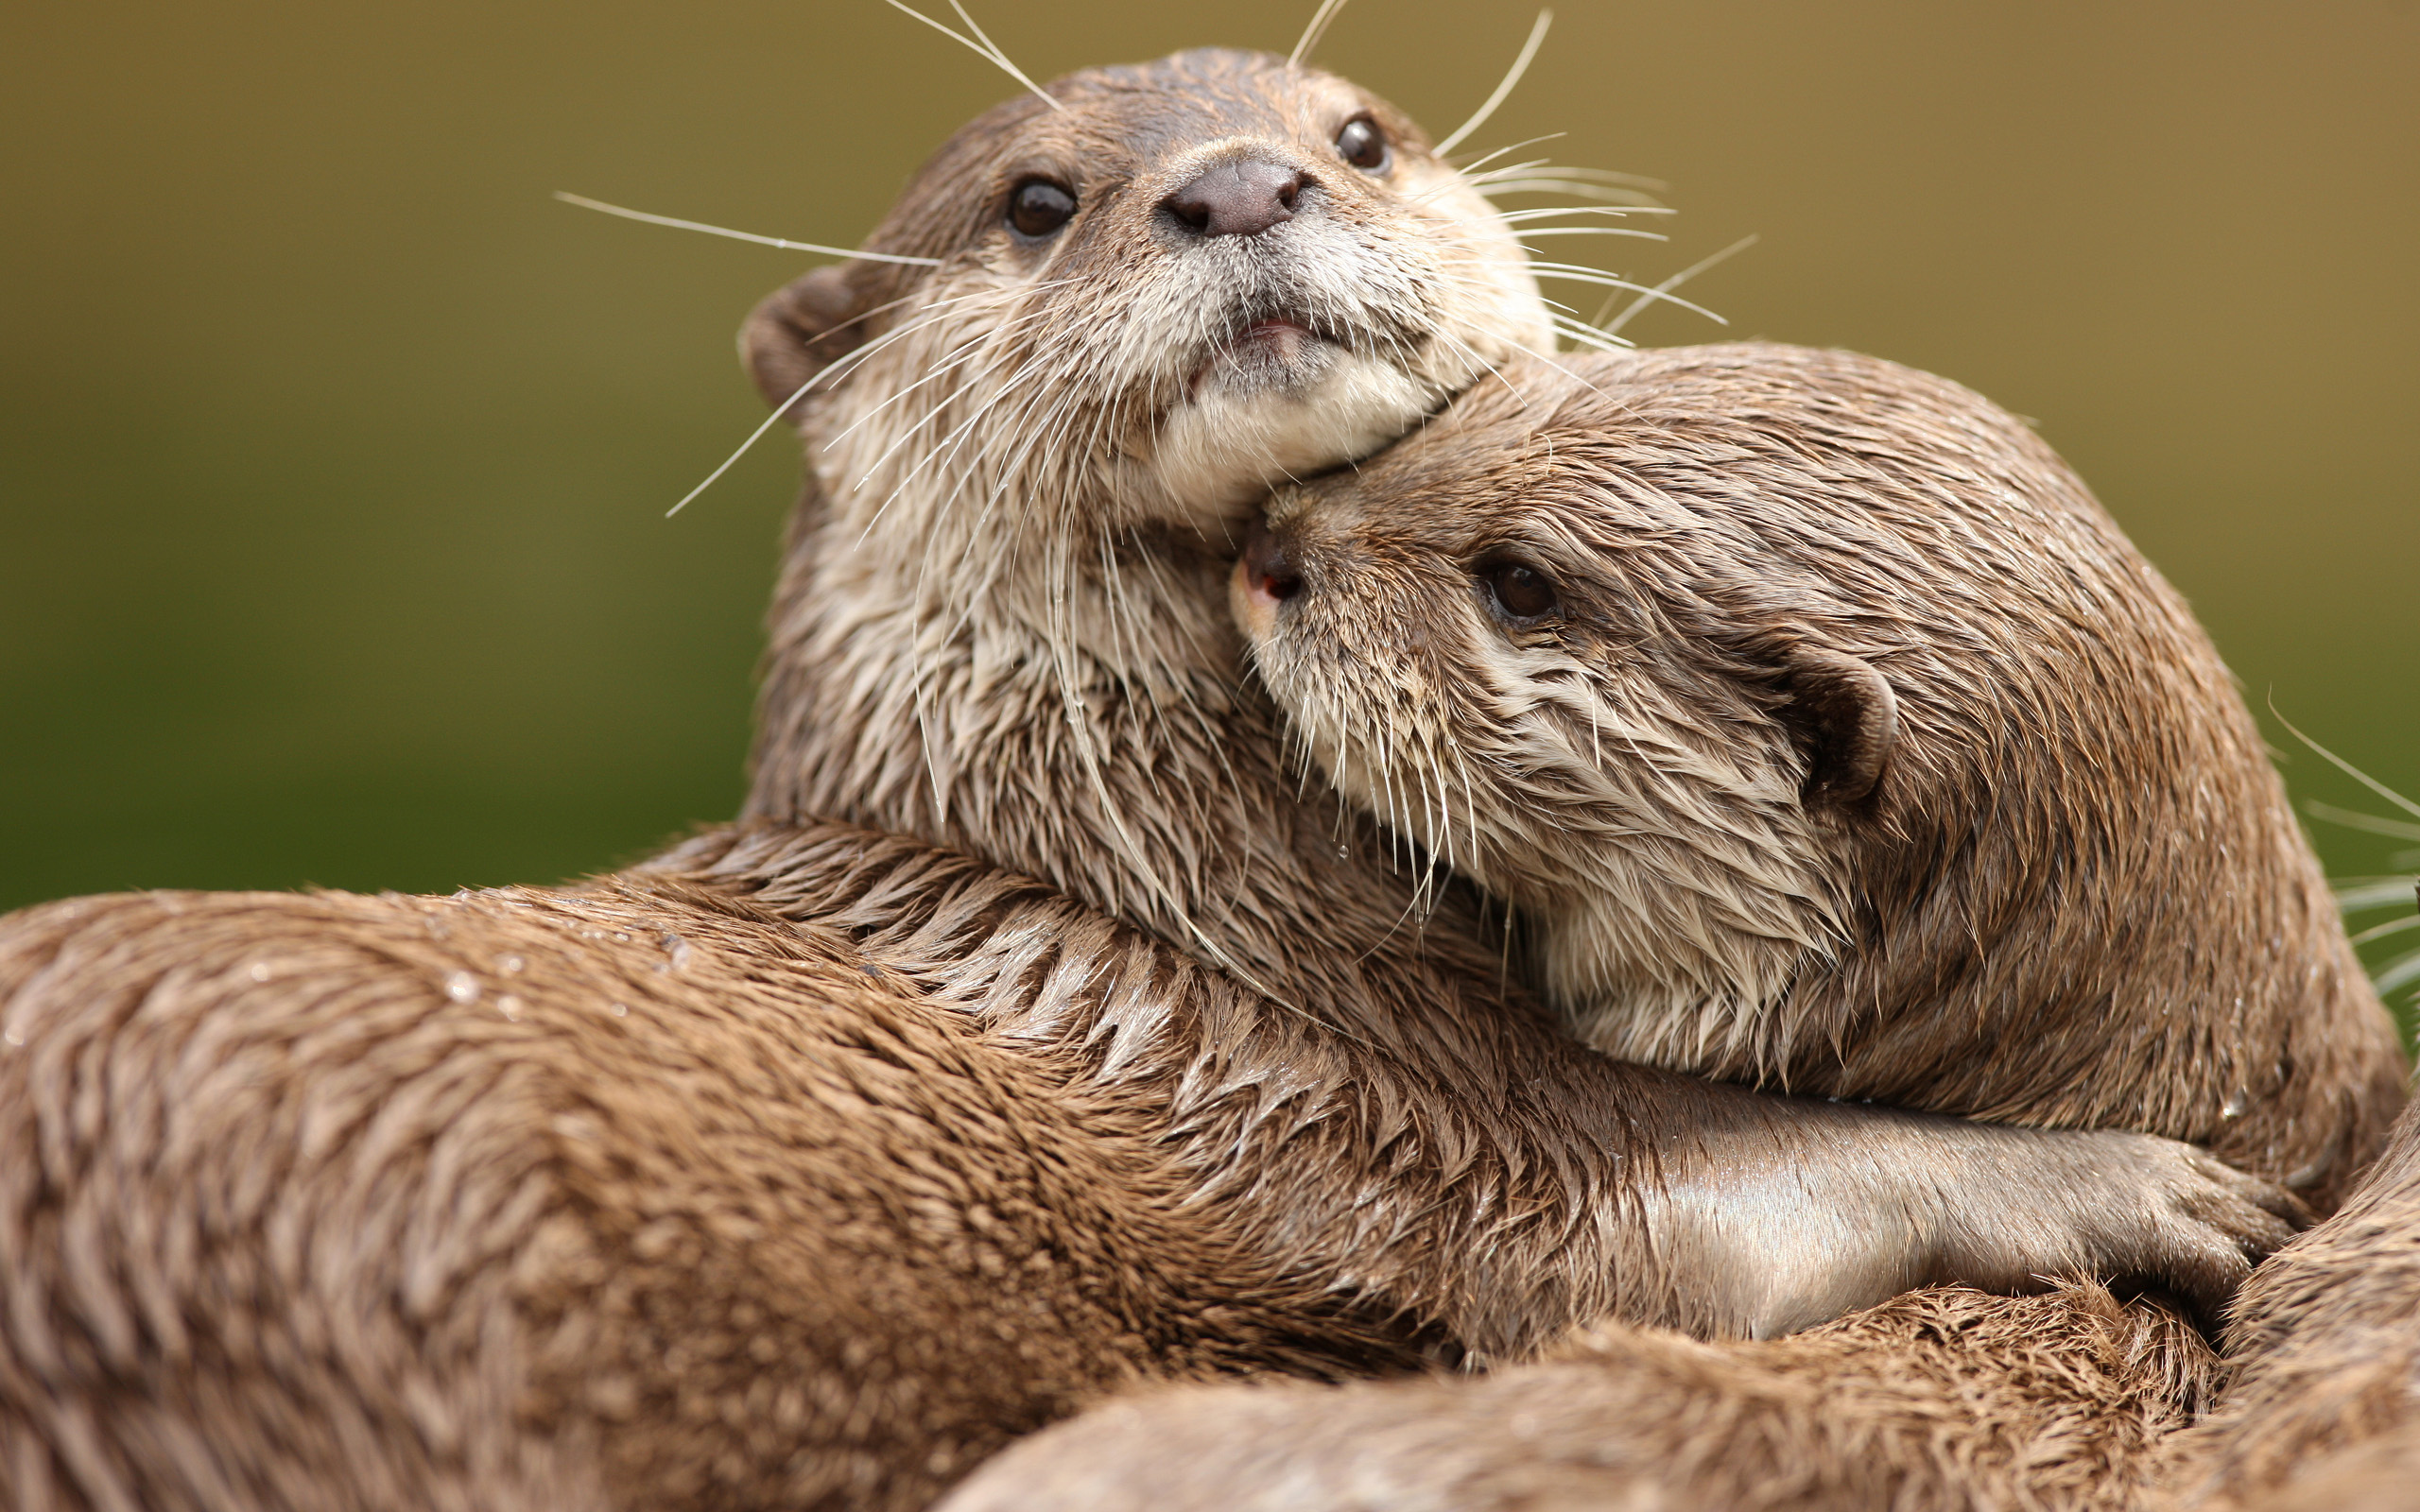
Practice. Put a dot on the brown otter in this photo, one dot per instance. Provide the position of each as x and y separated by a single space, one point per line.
1827 735
1004 635
316 1203
1825 732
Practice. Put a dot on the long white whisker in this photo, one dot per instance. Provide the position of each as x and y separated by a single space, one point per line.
782 241
1663 290
2347 768
1602 176
1312 33
1574 273
1466 168
1517 218
964 352
983 49
754 436
1637 201
1589 231
1520 66
846 360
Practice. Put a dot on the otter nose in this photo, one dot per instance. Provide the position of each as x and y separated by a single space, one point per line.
1262 579
1267 570
1240 196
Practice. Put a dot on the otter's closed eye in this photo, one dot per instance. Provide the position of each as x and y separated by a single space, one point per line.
1519 593
1038 207
1361 144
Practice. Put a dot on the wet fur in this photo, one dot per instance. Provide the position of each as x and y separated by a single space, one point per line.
2067 889
1727 526
892 1153
1943 1400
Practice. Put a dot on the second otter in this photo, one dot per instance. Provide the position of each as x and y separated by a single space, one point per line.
1827 735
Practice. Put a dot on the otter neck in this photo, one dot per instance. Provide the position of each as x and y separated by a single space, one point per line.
1120 759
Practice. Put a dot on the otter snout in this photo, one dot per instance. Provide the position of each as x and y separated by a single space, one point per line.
1236 196
1263 578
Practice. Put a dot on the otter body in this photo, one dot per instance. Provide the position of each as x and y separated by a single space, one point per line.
1827 734
382 1228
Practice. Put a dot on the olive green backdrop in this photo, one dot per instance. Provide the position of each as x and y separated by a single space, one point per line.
333 454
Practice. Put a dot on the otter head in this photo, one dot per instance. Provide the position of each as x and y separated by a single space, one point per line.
1147 299
1826 731
1586 699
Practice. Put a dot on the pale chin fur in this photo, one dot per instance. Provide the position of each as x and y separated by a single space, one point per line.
1218 452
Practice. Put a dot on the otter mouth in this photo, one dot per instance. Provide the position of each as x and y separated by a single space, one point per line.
1265 353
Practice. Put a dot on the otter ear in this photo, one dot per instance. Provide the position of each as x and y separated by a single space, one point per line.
803 328
1850 721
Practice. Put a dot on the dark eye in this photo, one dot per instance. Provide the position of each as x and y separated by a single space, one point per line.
1362 145
1038 207
1521 593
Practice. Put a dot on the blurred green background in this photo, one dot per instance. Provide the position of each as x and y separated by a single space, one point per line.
333 454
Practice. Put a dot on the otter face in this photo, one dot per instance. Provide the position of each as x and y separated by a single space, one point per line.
1198 277
1527 665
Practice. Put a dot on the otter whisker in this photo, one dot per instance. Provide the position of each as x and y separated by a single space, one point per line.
1504 90
1312 33
911 432
839 365
1550 180
1465 168
1666 287
960 434
983 49
2367 823
2400 972
783 242
1516 218
1572 329
1469 181
1600 176
1584 231
2350 771
1575 273
2393 926
974 346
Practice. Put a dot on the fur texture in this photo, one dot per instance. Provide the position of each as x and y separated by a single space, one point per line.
2064 887
2325 1408
526 1199
323 1202
1941 1400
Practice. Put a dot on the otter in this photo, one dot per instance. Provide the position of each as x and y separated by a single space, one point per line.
1820 730
1824 734
1025 1040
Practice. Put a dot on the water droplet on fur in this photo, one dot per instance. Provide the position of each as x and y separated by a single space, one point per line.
259 971
463 988
12 1036
2235 1105
678 949
621 1010
510 1007
510 964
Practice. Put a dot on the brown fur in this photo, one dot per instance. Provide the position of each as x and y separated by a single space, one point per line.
2068 889
527 1199
867 1202
1708 517
1050 687
2324 1410
1943 1400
